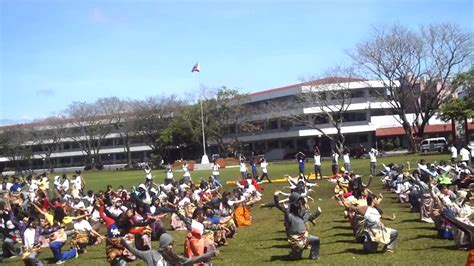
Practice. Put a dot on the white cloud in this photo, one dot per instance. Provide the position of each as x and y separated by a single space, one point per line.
45 92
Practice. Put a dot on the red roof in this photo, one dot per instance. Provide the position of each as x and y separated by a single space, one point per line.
397 131
329 80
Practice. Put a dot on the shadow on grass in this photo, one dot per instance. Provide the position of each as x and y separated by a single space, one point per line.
347 241
412 220
434 236
340 227
279 239
344 234
356 251
281 258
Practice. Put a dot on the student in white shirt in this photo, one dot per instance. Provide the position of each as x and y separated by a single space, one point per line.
264 165
471 147
187 174
117 209
454 153
465 154
64 184
169 173
373 161
215 170
148 176
243 169
335 162
82 228
347 159
57 182
317 162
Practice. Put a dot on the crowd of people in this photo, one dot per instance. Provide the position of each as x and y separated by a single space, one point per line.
34 216
441 193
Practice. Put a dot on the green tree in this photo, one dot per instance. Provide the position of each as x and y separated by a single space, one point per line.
462 108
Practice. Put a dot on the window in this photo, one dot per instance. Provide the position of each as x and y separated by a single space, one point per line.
273 145
363 138
272 124
376 92
357 93
351 117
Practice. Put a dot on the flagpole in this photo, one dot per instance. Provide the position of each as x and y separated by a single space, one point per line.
204 159
203 134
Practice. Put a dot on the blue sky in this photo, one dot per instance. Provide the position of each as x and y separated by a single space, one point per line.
55 52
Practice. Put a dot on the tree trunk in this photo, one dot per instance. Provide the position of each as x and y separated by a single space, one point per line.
466 129
453 131
129 153
408 133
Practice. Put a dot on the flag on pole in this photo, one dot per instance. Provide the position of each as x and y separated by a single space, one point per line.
196 68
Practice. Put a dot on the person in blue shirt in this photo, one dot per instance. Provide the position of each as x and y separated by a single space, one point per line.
254 169
16 186
300 157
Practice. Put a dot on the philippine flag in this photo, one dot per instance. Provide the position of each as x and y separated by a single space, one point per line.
196 68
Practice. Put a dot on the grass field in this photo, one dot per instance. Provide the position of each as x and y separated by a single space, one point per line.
265 243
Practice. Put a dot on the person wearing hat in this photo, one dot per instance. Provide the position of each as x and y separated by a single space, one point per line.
165 255
117 208
375 231
296 217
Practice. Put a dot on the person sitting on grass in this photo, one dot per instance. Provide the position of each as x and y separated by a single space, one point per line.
296 217
196 244
84 234
375 231
165 255
57 240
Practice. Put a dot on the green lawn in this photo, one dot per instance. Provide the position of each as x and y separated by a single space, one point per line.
265 243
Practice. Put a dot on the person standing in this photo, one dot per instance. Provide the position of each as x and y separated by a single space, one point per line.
347 159
169 173
215 174
317 163
454 153
264 165
148 176
186 173
373 153
335 162
243 168
300 157
471 147
254 169
465 154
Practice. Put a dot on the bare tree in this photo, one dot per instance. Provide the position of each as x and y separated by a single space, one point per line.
13 145
326 101
227 108
122 113
414 67
48 134
152 116
91 123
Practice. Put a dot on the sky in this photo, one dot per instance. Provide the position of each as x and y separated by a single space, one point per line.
55 52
